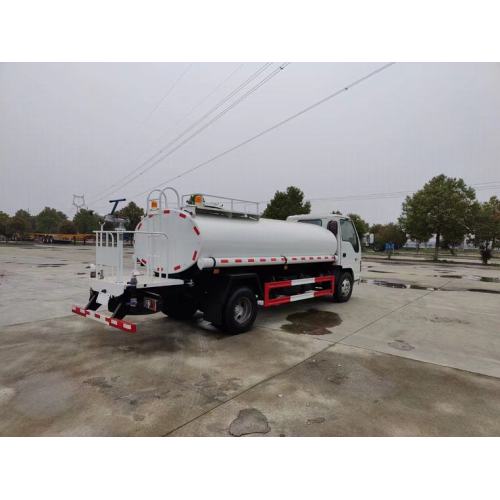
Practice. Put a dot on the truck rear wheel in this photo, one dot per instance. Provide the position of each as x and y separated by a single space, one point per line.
178 308
240 311
343 288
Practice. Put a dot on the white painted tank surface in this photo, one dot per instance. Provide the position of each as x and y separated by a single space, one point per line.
221 241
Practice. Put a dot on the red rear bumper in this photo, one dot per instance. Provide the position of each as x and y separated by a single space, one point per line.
115 323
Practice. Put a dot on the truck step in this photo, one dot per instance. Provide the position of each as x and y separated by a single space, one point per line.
283 299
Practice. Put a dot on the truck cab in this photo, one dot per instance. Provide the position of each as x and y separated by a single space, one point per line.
348 241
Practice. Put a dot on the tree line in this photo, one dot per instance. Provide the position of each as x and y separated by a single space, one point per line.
444 208
52 221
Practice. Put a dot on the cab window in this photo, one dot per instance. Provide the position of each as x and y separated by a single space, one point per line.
317 222
349 234
333 227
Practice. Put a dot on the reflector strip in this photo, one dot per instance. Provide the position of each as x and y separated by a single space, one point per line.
196 230
177 267
115 323
271 260
166 211
182 215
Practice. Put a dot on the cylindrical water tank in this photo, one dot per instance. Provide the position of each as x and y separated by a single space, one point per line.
181 240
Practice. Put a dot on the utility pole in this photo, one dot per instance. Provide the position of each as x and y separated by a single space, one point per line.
79 202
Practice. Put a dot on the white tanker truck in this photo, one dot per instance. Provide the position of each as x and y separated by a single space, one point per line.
218 256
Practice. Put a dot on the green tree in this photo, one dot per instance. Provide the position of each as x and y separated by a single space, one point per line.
443 207
49 220
67 227
27 218
4 221
285 203
486 227
133 213
86 221
388 233
362 227
20 224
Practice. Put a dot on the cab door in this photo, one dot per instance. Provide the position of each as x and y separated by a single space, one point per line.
349 248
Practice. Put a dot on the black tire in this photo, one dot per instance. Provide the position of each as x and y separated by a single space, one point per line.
343 287
240 311
179 308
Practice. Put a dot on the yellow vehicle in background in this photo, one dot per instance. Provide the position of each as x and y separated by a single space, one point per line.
80 239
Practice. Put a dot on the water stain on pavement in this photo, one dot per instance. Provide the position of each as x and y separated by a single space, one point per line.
474 277
392 284
388 284
154 345
420 287
249 421
100 382
317 420
215 390
489 279
311 322
111 388
338 378
401 345
437 319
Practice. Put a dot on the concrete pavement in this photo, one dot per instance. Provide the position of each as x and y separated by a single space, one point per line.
415 352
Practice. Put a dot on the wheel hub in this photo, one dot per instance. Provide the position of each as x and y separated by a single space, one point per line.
345 287
242 310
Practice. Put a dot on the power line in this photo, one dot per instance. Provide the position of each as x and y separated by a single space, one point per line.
202 128
210 94
273 127
231 74
482 186
208 113
214 119
235 91
201 101
169 91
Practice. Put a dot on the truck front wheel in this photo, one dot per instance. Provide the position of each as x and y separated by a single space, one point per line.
343 288
240 311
